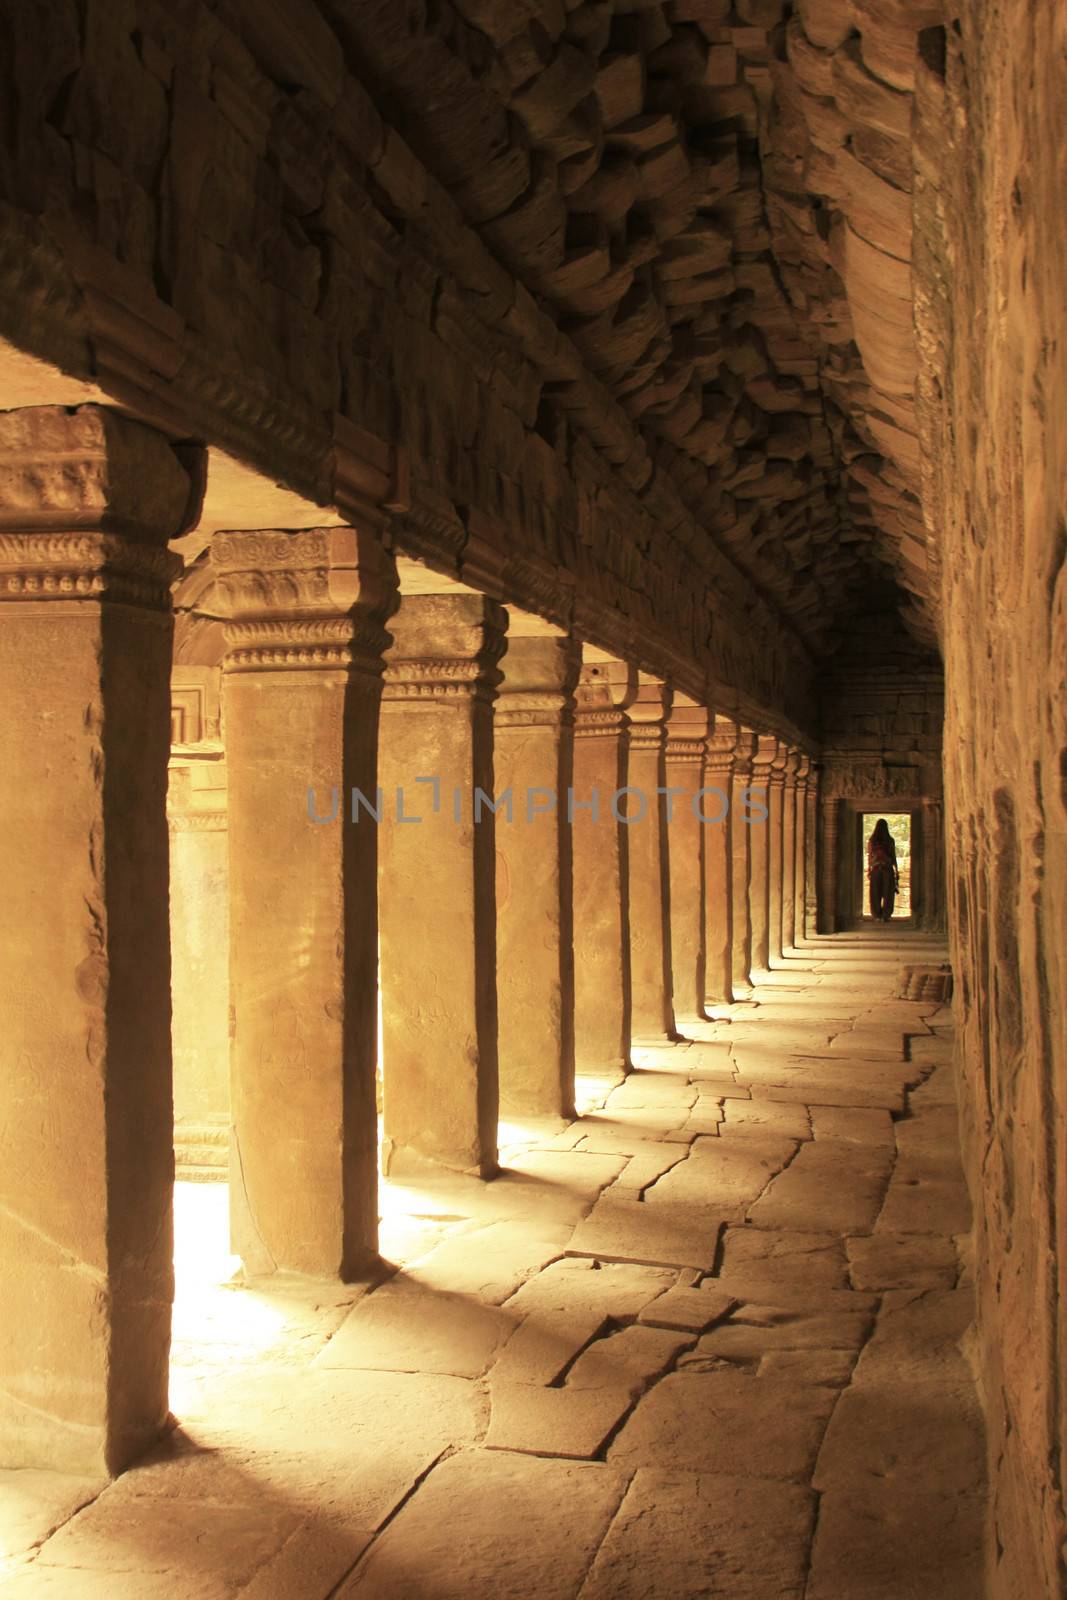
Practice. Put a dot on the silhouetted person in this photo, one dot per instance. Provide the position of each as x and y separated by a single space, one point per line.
882 871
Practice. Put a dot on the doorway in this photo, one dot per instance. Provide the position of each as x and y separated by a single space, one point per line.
900 828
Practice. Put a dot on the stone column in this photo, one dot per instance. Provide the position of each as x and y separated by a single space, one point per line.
602 989
759 834
687 733
741 835
776 852
789 851
301 690
88 500
534 763
199 925
932 907
827 905
646 813
717 826
809 861
438 895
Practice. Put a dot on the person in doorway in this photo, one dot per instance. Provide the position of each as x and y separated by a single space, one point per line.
882 871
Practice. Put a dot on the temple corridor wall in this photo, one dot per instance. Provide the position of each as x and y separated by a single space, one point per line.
992 317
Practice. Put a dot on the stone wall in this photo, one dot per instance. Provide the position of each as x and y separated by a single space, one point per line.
204 216
992 319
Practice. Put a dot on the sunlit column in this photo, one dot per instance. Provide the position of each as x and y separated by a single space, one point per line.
301 691
741 818
599 840
199 924
788 901
646 810
438 882
687 733
534 764
804 846
88 500
759 832
718 828
775 851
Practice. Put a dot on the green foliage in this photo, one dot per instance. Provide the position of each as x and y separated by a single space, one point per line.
899 827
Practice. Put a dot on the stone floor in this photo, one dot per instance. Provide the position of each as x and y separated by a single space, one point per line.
706 1341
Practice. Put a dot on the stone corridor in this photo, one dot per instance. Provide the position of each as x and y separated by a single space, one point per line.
708 1340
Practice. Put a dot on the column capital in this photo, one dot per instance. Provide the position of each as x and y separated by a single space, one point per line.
539 679
313 598
779 766
745 747
88 501
445 647
764 756
604 691
650 712
687 731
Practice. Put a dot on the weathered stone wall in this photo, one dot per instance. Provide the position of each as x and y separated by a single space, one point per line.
204 214
992 317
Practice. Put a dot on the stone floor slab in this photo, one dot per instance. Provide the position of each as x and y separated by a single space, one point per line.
404 1327
683 1535
903 1261
571 1422
670 1233
630 1359
780 1258
489 1523
762 1428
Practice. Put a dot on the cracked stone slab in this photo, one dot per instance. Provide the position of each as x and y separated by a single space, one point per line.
727 1175
200 1538
911 1544
757 1330
489 1263
545 1344
884 1260
571 1422
858 1124
689 1310
683 1534
831 1187
33 1503
758 1116
832 1368
670 1234
405 1327
763 1427
781 1259
629 1358
548 1519
925 1196
644 1169
576 1286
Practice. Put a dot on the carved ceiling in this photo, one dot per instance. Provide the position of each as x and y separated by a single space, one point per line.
714 201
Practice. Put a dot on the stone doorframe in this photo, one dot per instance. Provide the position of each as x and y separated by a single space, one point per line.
840 859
